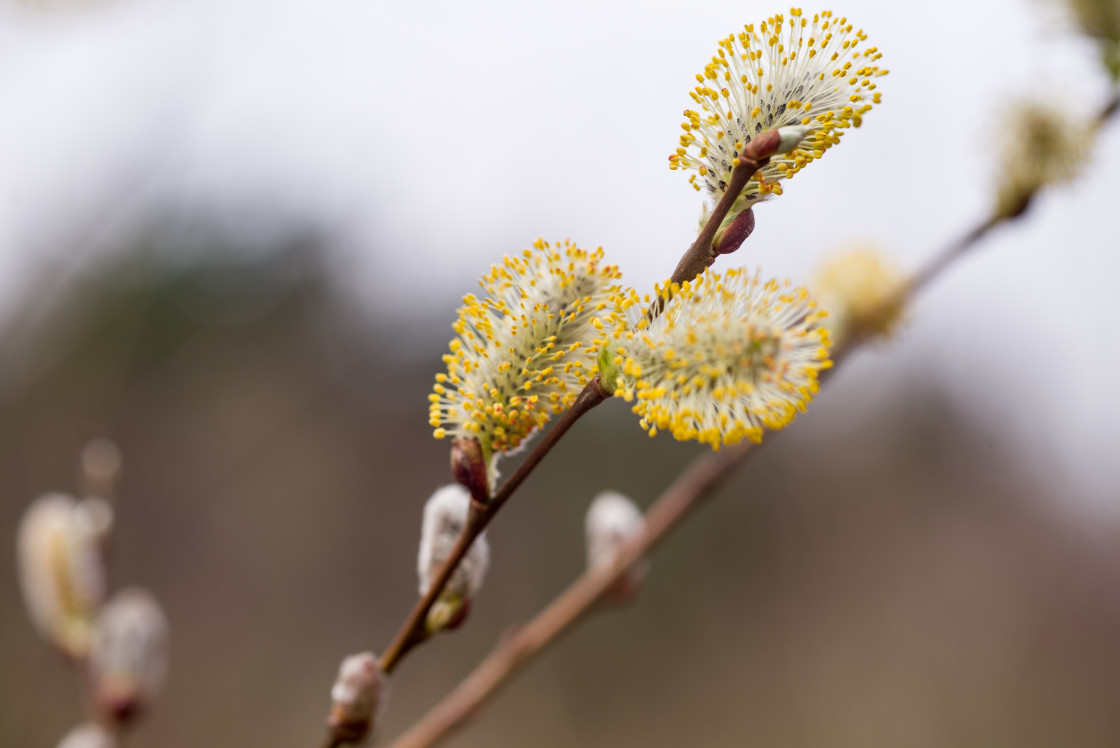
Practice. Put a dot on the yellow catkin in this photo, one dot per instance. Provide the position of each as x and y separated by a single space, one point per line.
525 347
1043 145
728 357
791 70
863 292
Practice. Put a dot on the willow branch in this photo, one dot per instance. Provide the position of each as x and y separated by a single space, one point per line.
521 645
685 494
962 245
696 484
1110 107
699 256
413 631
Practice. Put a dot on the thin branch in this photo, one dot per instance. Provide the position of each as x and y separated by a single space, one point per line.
698 482
413 630
961 246
695 485
699 256
1110 108
948 256
521 645
755 155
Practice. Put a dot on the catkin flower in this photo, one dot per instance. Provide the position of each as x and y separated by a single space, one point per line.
862 291
445 518
128 660
728 356
787 71
1044 146
524 350
611 520
356 696
89 735
61 571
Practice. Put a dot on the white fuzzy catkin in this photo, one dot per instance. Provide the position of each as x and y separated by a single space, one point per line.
61 571
356 695
128 660
89 735
611 520
445 518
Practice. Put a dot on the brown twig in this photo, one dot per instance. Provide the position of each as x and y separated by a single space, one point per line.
699 256
1110 107
521 645
685 494
413 631
947 256
962 245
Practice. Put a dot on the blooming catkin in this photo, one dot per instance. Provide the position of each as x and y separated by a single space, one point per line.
445 518
1044 145
525 348
728 356
863 292
785 71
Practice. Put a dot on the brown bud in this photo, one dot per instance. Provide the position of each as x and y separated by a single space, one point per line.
468 467
733 233
763 146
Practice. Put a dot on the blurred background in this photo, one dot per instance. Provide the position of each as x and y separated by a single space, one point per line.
233 237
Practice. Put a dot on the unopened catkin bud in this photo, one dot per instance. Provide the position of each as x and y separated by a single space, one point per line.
61 571
128 660
733 233
89 735
355 698
445 519
611 520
